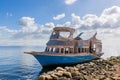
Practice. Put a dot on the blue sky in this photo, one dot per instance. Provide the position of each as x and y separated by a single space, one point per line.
43 10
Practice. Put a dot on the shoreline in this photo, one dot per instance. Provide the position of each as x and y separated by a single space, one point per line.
101 69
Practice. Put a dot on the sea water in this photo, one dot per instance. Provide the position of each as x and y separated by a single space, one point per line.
16 65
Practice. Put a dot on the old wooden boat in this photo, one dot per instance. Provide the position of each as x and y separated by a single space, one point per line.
61 50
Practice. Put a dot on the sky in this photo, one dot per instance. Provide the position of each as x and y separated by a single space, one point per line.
30 22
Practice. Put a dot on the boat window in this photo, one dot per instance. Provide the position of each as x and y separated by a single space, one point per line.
79 50
66 50
57 50
62 50
82 50
85 50
53 49
54 33
49 49
94 47
64 34
46 49
70 50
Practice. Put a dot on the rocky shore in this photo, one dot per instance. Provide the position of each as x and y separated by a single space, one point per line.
100 69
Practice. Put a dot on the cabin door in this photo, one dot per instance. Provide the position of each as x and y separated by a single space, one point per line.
75 46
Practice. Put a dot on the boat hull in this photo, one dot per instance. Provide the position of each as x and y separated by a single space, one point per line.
46 60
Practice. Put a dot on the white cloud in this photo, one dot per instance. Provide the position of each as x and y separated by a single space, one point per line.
66 24
47 28
60 16
90 20
69 2
109 18
76 21
5 32
26 21
28 24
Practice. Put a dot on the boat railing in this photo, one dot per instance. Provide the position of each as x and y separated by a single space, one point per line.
63 54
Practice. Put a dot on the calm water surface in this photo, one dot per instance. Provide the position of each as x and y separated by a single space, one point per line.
15 65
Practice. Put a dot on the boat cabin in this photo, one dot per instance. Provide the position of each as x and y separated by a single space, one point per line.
70 45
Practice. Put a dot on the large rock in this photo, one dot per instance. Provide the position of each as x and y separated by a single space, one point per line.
67 74
45 77
42 77
59 73
95 70
59 69
54 76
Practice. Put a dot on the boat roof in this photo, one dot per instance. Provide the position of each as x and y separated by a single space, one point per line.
64 29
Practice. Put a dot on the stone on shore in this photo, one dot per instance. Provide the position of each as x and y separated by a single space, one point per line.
95 70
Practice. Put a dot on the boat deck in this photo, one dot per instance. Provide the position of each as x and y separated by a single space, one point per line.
61 54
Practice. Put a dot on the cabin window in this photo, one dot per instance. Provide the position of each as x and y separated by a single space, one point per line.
49 49
62 50
46 49
53 49
82 50
94 46
78 50
57 50
88 50
66 50
64 34
54 33
70 50
85 50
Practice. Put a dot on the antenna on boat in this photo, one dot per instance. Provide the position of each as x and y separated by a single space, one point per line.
94 36
80 34
78 37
